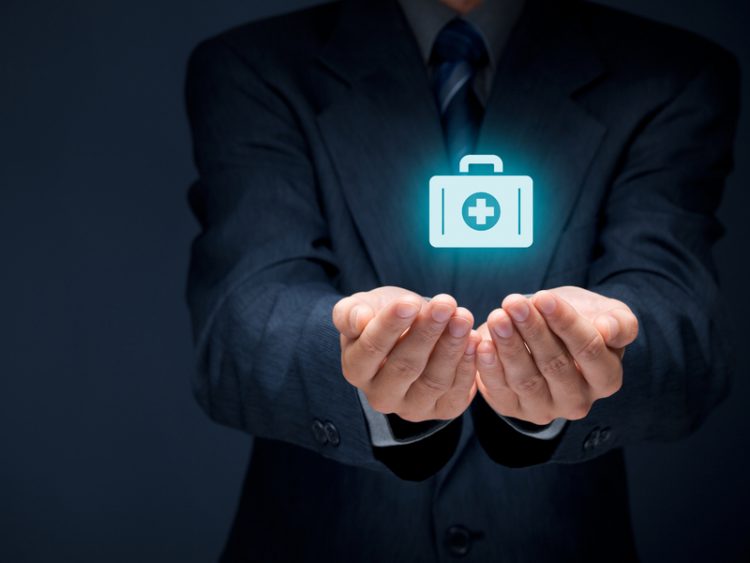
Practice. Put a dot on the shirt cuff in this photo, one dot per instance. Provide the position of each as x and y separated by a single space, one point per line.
386 431
547 432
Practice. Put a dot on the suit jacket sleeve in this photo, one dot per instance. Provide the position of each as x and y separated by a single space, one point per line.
658 229
260 286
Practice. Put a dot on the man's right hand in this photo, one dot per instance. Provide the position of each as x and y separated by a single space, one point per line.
411 357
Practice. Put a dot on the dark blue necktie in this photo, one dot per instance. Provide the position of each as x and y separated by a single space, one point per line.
458 53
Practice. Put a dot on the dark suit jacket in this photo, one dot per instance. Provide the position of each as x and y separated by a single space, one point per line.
315 135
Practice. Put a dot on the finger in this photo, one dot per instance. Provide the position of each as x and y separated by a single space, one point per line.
464 387
568 388
466 370
351 315
362 357
618 326
521 372
406 362
599 365
438 376
492 383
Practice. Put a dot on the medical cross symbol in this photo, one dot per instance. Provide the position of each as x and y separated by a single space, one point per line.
480 211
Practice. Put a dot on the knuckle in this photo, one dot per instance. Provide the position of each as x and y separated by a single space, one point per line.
565 321
493 382
403 367
371 346
457 357
450 347
555 367
528 385
435 385
394 324
466 365
463 382
593 349
380 403
429 331
535 329
513 351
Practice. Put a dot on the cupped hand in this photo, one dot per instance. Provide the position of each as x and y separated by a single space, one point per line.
553 355
410 356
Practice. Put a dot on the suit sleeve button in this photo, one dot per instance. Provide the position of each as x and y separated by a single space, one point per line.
597 437
458 540
592 440
332 434
319 431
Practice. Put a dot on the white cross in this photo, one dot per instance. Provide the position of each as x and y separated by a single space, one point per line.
481 211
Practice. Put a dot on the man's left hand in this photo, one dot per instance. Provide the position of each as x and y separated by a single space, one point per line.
552 355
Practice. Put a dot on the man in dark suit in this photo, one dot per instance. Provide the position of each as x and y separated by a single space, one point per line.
386 427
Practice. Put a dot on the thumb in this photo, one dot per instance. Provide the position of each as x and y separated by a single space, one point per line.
618 327
351 315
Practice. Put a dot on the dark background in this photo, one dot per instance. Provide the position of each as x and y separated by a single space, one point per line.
104 455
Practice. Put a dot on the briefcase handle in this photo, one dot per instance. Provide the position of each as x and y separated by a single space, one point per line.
469 159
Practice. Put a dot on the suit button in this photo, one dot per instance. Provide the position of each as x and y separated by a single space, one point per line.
597 437
458 541
319 431
332 433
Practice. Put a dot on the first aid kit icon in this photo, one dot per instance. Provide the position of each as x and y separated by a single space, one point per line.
481 211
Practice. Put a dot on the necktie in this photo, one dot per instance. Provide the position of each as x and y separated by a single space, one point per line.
458 53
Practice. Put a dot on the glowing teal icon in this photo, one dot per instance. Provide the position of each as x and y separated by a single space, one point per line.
481 211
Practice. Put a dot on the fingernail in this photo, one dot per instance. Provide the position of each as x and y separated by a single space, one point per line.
486 358
471 348
406 310
614 326
503 328
546 303
440 314
458 327
519 311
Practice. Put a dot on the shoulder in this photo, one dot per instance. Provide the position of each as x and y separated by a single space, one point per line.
281 41
644 49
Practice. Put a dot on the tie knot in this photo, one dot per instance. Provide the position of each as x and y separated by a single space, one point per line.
459 41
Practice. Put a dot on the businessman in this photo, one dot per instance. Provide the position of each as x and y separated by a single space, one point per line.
411 403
